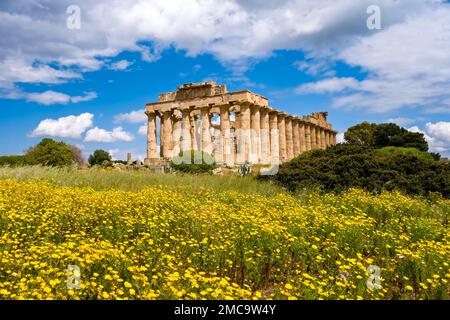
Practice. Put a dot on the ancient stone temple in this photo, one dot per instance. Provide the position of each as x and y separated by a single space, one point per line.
234 127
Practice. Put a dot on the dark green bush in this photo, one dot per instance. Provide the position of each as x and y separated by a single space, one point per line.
193 162
391 151
13 161
99 157
349 166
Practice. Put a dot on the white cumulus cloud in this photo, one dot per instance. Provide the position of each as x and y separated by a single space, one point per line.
136 116
65 127
101 135
437 135
53 97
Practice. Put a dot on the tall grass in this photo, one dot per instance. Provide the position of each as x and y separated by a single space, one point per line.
135 180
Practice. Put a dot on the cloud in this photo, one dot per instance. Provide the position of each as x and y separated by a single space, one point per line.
404 66
136 116
101 135
65 127
340 137
437 136
331 85
401 121
121 65
52 97
142 130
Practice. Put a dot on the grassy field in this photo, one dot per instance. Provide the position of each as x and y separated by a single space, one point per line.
145 236
134 180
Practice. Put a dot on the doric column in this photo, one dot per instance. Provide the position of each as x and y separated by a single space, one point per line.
226 137
289 138
333 139
274 138
194 132
327 138
186 143
244 147
255 150
176 134
318 137
302 134
206 131
166 135
296 136
265 136
313 136
152 148
323 141
236 137
282 134
308 136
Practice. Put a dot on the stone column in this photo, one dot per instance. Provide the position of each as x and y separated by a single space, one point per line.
327 138
166 135
206 131
176 134
302 134
186 143
313 136
274 138
282 135
129 159
226 137
289 138
194 132
265 136
333 139
318 138
152 147
244 148
236 137
323 141
296 136
255 150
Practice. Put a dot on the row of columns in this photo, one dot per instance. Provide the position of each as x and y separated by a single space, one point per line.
259 135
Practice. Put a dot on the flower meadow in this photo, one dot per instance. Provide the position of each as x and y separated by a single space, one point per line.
178 243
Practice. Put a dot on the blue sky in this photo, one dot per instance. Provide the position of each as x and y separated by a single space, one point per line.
88 86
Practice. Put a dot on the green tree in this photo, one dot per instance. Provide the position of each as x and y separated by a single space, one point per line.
361 134
49 152
390 134
99 157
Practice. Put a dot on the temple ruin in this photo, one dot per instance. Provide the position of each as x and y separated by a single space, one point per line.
235 127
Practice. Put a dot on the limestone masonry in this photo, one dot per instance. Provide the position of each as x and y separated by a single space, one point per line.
245 127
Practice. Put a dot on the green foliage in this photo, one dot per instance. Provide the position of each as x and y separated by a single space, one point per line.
13 161
99 157
392 151
49 152
361 134
348 166
193 162
390 134
384 135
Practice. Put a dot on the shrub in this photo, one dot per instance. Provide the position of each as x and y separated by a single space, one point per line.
346 166
99 157
391 151
193 162
53 153
13 161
